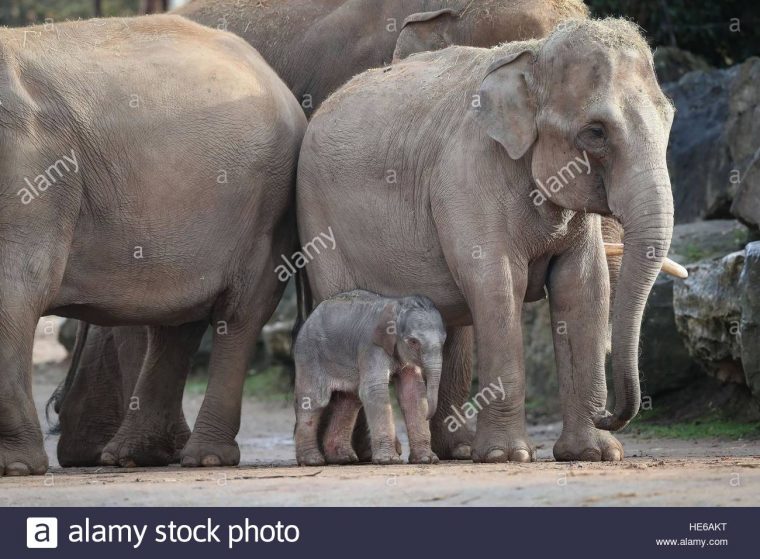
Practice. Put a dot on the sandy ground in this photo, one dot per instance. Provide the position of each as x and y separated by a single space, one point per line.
655 472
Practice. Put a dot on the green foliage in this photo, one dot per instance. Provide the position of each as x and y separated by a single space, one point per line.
700 429
17 13
709 425
724 33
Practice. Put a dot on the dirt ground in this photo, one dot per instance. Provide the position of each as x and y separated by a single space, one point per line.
655 472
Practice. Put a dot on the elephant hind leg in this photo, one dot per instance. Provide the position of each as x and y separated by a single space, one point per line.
337 435
237 324
92 409
148 434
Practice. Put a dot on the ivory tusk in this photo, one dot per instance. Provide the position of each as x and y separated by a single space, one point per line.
668 266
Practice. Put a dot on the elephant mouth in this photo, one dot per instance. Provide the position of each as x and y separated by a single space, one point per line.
669 266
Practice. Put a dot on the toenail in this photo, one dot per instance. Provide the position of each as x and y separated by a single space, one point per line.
495 454
211 460
17 469
520 455
189 462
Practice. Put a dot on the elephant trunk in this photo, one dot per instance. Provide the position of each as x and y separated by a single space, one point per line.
432 372
647 218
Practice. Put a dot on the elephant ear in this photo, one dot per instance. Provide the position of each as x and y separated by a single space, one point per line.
422 17
507 109
386 329
423 31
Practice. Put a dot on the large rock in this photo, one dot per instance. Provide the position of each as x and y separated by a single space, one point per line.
718 311
744 141
750 322
715 144
665 362
698 155
671 63
708 313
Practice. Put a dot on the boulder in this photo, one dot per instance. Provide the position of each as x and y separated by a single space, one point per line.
671 63
743 134
749 282
698 156
714 149
708 313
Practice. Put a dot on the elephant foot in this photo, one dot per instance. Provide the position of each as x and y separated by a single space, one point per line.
451 445
209 454
340 455
386 458
313 458
73 453
423 457
130 450
22 461
363 446
518 448
181 437
587 444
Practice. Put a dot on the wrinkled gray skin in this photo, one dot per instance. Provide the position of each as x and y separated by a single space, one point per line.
315 46
468 133
354 344
140 231
318 45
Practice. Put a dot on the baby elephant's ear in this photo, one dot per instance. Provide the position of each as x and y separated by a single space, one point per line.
507 110
386 329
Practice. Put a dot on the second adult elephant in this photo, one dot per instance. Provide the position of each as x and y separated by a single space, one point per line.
473 176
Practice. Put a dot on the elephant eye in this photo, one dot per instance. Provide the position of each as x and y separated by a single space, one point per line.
414 343
593 137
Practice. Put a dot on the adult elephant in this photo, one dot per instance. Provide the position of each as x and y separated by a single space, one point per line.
96 226
318 45
315 46
476 177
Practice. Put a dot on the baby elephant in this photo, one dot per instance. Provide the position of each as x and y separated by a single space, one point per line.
353 344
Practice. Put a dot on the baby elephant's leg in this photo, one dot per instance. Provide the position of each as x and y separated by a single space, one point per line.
310 403
337 436
376 400
410 389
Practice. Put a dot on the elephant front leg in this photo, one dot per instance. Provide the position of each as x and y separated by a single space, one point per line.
495 295
21 449
453 441
376 400
579 298
410 389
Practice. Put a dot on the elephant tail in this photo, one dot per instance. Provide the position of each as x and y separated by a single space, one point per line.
303 301
56 400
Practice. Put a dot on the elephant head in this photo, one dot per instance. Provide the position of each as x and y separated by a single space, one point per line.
416 340
584 110
483 23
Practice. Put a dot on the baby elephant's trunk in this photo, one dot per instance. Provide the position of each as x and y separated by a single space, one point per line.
432 372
